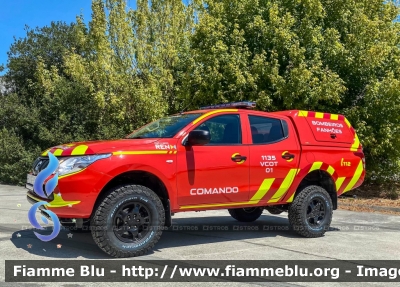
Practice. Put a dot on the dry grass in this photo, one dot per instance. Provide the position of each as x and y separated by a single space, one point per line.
383 198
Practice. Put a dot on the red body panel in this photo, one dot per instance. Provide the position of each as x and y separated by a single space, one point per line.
206 177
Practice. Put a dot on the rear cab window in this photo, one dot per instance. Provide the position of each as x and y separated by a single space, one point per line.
266 130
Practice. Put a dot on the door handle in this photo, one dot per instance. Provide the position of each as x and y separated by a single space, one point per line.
238 158
288 156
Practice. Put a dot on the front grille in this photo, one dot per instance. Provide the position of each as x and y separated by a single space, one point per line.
40 164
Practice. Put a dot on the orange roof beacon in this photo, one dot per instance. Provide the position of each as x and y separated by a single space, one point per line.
219 157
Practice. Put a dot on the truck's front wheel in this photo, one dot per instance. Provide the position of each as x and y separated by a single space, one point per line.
249 214
310 213
128 222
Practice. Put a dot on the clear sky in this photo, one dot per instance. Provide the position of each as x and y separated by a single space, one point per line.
15 14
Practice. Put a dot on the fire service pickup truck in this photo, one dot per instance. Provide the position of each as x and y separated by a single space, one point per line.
227 156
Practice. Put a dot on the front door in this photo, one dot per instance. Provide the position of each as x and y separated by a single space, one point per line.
216 173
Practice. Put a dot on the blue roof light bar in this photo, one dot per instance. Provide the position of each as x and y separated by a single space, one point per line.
237 105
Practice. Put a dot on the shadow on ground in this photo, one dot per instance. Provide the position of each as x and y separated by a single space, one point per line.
183 232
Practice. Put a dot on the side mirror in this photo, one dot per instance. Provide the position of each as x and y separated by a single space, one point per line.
198 137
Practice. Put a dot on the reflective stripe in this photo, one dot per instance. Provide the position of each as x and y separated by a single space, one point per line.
37 199
303 114
58 152
69 174
316 165
356 143
45 152
79 150
339 183
355 178
211 113
330 170
58 201
263 189
140 152
347 122
291 198
217 204
319 115
287 182
334 117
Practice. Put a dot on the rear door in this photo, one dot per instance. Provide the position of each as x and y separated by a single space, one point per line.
274 157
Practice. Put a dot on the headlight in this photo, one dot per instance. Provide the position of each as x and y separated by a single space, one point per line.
73 164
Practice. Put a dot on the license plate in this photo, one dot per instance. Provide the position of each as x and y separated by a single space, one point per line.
30 180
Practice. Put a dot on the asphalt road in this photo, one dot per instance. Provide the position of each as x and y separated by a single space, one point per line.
354 236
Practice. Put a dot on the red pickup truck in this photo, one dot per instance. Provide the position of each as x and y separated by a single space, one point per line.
221 157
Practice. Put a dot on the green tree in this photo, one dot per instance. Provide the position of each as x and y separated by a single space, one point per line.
135 59
326 55
98 81
32 117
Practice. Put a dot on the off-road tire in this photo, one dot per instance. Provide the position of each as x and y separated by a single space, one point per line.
300 208
246 214
103 220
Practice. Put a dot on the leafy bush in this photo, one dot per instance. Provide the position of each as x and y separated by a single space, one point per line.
15 160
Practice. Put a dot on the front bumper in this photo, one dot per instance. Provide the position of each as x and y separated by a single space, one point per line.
32 199
74 196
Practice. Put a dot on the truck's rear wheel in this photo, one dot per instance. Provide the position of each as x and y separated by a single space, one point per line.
249 214
128 222
310 214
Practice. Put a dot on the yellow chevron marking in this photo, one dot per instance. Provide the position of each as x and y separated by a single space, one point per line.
347 122
334 117
79 150
45 152
291 198
316 165
263 189
303 114
58 152
355 178
356 143
330 170
287 182
339 182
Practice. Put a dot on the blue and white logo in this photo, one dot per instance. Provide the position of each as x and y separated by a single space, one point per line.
49 188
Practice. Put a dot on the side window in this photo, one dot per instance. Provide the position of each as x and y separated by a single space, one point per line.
266 130
224 130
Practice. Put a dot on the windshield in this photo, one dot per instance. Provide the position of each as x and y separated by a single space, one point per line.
164 128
